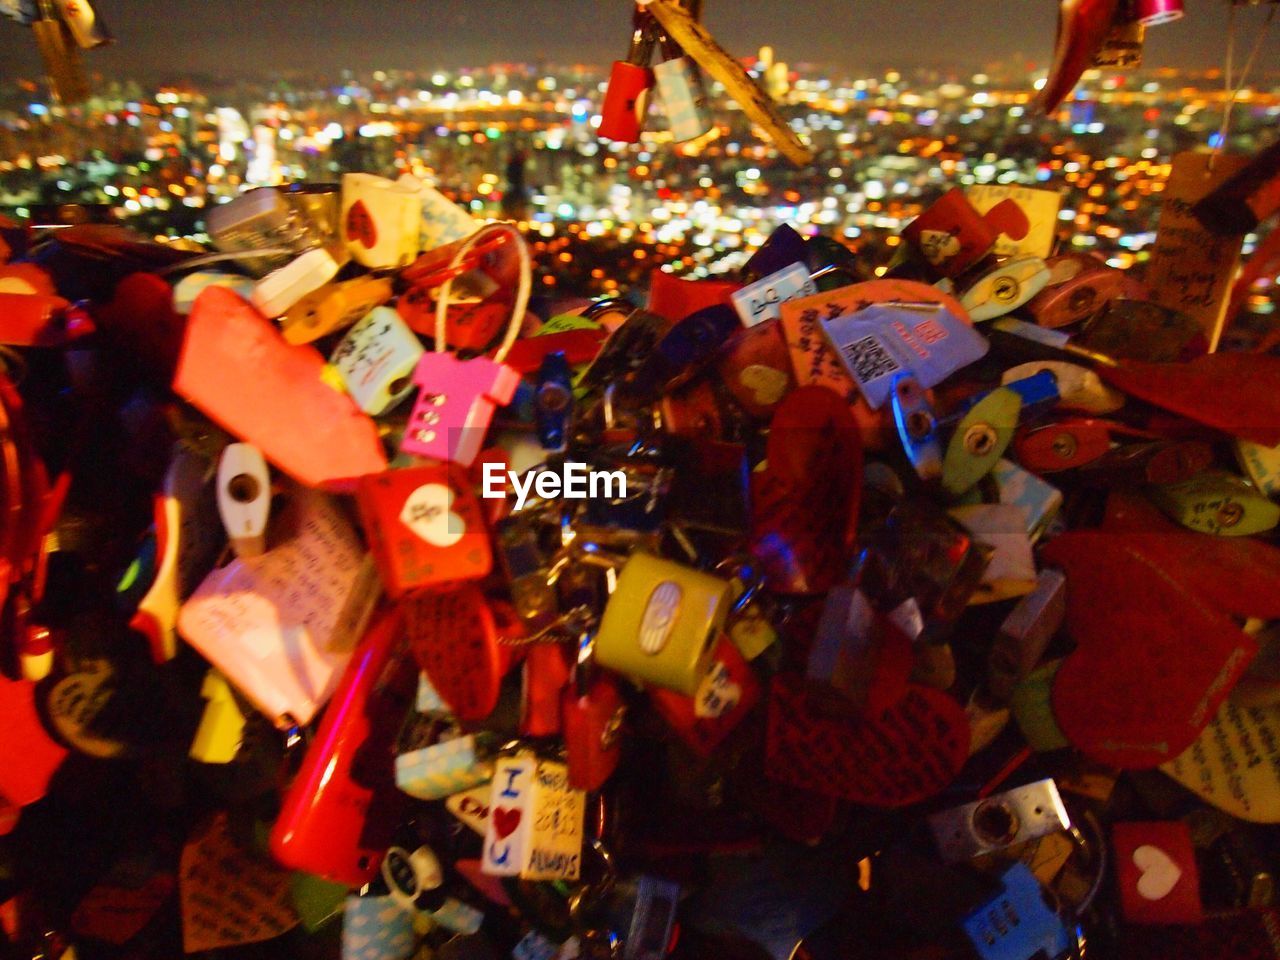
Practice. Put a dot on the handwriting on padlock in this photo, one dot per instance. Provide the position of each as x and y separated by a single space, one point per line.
427 513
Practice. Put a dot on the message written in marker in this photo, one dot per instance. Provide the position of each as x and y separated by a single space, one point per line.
1235 763
1191 269
230 896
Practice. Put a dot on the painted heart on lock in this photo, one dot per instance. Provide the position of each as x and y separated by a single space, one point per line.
1153 661
360 225
427 513
505 821
1158 874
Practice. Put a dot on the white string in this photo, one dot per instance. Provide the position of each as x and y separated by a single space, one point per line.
523 292
1234 94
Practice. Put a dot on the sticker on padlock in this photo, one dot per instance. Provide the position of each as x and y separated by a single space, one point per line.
338 816
537 820
727 694
187 542
880 342
376 360
443 768
381 220
424 527
244 498
1005 288
999 821
1156 872
454 638
329 308
761 301
282 626
661 623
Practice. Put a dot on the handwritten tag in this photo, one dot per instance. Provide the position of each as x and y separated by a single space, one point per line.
762 300
536 821
1153 662
229 895
1191 269
281 626
1235 763
1040 207
376 360
908 753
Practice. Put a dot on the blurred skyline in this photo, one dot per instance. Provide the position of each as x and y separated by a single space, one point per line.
239 38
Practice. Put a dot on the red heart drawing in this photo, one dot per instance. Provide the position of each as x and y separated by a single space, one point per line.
360 225
505 821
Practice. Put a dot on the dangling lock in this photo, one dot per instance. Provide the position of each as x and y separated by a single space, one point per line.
684 97
593 712
626 100
61 56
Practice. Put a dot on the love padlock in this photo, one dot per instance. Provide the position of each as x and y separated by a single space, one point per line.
626 99
661 623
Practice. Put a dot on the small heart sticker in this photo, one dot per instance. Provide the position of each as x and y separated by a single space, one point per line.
1158 874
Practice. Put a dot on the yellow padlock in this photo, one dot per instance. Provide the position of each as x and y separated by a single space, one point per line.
661 623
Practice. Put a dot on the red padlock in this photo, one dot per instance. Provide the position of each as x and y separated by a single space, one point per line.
592 720
729 692
626 100
547 670
338 816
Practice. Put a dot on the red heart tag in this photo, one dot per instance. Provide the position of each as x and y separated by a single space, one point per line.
360 226
804 504
1154 661
455 640
116 913
1156 873
505 821
906 754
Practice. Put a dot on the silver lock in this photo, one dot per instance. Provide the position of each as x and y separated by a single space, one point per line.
1001 820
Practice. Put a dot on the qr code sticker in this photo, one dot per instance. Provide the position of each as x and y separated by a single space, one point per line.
868 360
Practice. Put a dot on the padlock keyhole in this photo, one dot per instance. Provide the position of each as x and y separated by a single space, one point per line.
243 488
995 823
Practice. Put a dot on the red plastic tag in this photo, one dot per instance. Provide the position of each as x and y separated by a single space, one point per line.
907 754
728 693
455 640
1156 873
1154 661
804 504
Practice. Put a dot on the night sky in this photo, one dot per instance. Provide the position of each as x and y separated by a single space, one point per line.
256 37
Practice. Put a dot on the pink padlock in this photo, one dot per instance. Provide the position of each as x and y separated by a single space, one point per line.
457 398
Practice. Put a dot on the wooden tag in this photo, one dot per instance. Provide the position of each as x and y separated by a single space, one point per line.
1235 763
1153 661
1191 269
907 754
229 895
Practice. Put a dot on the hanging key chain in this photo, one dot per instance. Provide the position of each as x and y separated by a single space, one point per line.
458 397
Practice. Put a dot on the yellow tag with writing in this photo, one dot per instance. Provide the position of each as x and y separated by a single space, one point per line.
1235 763
1040 206
1192 269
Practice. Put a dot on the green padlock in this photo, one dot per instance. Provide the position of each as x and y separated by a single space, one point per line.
1217 502
980 440
661 623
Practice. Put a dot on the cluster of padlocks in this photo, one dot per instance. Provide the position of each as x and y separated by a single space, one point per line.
360 602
